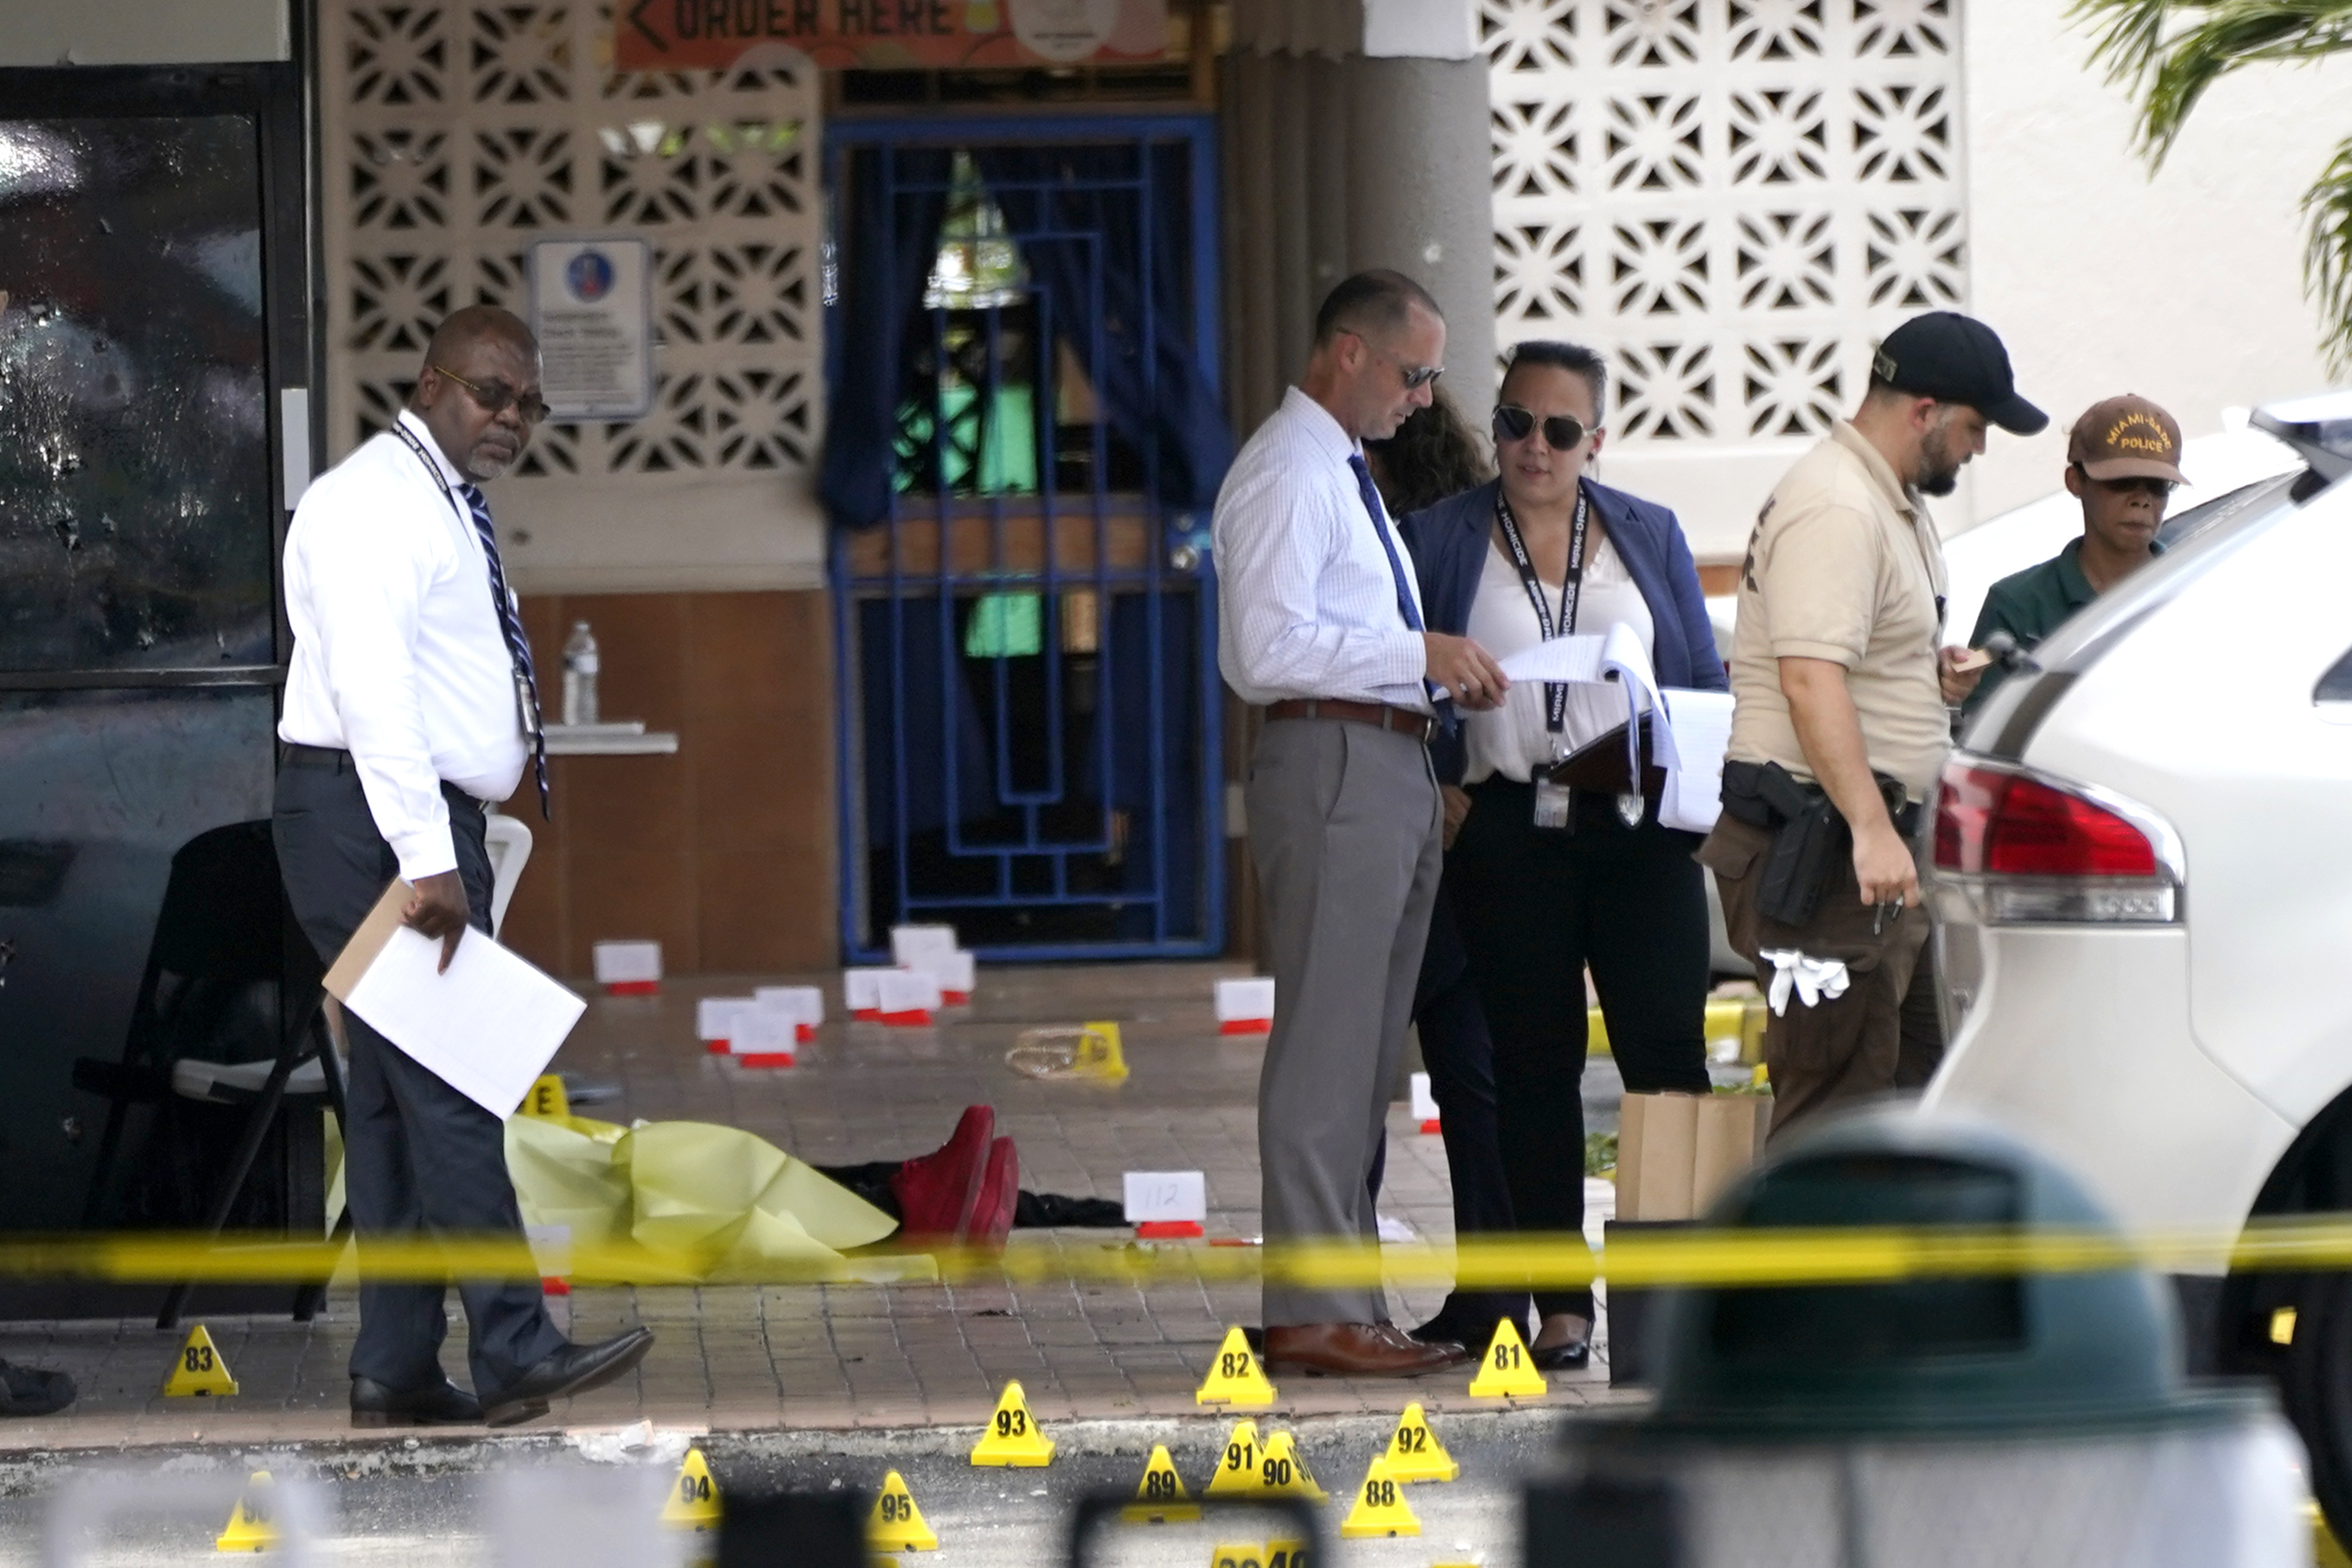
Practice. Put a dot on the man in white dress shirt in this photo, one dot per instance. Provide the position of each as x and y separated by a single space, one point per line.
410 703
1319 623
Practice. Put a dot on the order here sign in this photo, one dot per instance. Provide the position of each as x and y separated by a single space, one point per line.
889 35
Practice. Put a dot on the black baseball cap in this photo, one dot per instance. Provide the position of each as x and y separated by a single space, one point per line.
1957 359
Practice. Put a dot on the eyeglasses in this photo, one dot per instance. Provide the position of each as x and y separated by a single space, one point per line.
1561 432
1415 376
496 399
2160 489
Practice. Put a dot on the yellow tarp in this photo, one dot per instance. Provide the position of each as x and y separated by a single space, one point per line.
719 1204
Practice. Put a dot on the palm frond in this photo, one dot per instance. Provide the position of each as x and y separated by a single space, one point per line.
2328 254
2168 52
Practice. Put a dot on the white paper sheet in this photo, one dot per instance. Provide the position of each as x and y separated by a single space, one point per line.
487 1028
1576 658
1701 726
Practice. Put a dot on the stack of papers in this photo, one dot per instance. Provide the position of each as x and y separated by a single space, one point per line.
1688 743
487 1028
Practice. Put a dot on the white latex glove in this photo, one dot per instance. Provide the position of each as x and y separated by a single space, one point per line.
1812 979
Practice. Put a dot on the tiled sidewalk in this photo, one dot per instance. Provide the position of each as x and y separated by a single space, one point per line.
852 1356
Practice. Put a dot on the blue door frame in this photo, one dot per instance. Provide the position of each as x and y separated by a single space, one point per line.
906 592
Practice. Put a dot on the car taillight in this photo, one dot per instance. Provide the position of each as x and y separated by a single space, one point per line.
2034 851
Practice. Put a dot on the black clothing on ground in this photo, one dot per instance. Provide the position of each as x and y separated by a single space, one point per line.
1535 906
418 1155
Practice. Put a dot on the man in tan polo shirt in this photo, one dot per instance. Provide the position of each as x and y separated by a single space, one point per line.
1840 725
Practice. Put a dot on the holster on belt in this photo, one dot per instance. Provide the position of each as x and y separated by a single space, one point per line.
1809 833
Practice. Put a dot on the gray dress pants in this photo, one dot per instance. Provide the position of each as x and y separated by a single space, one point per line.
1344 825
418 1155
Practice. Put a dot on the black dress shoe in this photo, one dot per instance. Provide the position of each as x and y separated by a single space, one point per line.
441 1404
1572 1356
573 1369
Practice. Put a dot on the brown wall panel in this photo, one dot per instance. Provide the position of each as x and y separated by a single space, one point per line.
724 852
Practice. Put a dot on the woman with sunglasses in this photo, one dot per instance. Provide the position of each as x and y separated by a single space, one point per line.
1545 877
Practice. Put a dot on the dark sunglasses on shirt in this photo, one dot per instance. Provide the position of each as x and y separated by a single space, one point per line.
495 398
1562 432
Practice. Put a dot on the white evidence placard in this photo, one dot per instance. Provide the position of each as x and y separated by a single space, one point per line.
1164 1195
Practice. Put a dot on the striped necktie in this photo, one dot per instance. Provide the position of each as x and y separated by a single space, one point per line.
510 627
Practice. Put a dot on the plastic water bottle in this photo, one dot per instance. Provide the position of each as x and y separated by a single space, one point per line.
579 675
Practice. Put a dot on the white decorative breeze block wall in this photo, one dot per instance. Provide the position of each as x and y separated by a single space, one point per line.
1732 198
453 135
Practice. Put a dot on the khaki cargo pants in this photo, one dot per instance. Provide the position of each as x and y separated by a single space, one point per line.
1884 1035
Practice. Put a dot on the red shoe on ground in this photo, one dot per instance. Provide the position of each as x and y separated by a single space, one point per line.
936 1192
1000 1191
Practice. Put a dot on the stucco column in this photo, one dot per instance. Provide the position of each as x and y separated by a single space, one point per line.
1421 199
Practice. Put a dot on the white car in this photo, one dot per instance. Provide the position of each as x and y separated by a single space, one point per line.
2143 879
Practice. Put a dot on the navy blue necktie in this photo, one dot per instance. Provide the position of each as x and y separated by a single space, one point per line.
1406 607
510 627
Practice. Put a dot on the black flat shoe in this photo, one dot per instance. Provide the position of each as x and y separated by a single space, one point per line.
442 1403
1573 1356
574 1368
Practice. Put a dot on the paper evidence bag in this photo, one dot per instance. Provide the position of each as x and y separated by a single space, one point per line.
487 1028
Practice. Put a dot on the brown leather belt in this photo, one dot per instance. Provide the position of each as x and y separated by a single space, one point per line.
1380 716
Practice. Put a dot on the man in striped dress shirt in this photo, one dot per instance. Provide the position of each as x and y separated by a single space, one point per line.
1320 625
410 703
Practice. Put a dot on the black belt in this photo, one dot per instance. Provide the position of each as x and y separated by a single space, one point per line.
1742 804
328 758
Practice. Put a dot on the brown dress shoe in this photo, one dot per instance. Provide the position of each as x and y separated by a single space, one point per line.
1355 1350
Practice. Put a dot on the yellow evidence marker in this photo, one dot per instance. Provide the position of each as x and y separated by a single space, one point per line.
1380 1509
1415 1452
1161 1496
249 1527
200 1372
545 1098
1250 1556
896 1524
1012 1437
694 1496
1236 1379
1282 1471
1100 1054
1506 1370
1237 1462
1287 1554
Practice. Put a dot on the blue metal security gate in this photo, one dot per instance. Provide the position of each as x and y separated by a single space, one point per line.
1028 700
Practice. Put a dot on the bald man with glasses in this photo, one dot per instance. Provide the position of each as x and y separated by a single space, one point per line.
411 704
1320 626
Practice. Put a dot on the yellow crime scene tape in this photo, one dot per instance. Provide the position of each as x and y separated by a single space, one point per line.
1852 1256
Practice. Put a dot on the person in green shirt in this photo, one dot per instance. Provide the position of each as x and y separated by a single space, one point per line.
2122 460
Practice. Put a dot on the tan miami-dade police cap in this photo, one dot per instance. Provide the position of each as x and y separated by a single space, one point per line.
2126 437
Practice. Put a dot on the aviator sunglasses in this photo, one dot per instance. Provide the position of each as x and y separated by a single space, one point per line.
496 399
1562 432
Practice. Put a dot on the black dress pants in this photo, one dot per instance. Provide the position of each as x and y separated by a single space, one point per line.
1535 906
1460 1055
418 1155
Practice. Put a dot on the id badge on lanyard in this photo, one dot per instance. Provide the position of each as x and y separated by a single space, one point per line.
1555 802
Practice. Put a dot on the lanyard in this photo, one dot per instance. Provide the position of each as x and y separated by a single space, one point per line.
465 520
526 689
1572 589
464 515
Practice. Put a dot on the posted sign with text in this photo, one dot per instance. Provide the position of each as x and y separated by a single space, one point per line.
889 35
591 307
